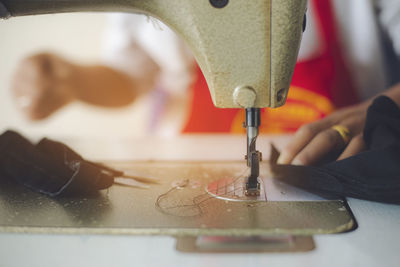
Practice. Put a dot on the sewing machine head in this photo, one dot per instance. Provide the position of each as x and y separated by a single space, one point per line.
246 49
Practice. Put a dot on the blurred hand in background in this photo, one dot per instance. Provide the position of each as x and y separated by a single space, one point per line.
45 82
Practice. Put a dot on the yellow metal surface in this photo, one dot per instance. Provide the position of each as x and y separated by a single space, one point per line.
178 205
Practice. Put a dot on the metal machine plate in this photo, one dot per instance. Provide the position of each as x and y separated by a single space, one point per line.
178 205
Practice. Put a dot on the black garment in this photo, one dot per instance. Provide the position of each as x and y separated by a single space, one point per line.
50 167
372 175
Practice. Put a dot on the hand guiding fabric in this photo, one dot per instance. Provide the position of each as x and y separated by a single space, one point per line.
316 141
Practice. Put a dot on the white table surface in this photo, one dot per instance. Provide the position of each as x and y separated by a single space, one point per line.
374 243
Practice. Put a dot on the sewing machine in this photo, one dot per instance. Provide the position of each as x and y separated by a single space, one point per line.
261 56
246 50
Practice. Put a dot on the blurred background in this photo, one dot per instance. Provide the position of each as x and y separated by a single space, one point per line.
78 37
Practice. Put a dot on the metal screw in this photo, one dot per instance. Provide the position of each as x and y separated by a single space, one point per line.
279 97
219 3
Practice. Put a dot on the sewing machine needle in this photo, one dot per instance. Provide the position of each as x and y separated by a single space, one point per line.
253 157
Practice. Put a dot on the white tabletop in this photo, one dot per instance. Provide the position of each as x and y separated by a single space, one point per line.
373 243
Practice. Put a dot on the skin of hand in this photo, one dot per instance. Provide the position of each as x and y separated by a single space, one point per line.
45 82
317 140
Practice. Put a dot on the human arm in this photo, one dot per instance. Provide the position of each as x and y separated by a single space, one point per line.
45 82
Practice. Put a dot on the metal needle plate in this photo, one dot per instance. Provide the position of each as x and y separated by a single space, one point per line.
178 205
234 190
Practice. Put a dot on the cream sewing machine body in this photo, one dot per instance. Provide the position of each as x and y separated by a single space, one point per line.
247 50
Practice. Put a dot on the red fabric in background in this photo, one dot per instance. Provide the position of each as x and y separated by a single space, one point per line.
204 116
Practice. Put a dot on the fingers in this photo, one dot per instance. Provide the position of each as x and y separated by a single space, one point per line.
314 142
301 138
323 143
355 146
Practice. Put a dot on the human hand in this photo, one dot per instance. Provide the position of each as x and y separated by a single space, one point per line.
316 141
372 175
42 84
